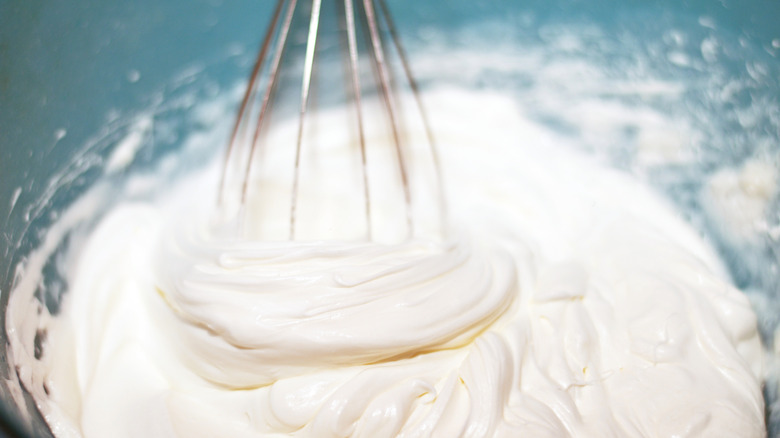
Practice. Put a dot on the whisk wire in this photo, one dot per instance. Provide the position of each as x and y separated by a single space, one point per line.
384 82
269 91
388 19
355 76
311 46
239 126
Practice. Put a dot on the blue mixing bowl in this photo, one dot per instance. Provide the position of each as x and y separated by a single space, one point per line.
74 74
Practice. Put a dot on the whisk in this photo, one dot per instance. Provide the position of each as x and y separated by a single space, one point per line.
378 126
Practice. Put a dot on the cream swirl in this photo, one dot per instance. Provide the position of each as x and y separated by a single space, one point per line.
255 312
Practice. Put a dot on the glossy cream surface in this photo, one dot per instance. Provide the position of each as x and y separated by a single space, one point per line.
566 299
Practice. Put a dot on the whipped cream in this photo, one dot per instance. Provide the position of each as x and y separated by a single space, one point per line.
568 300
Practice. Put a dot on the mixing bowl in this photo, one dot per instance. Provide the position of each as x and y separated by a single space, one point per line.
685 95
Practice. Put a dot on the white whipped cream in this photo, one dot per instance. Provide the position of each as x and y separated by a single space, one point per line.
568 301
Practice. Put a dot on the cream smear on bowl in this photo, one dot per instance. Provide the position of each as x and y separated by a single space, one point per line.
569 300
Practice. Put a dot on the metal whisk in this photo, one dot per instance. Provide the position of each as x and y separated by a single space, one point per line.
270 86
